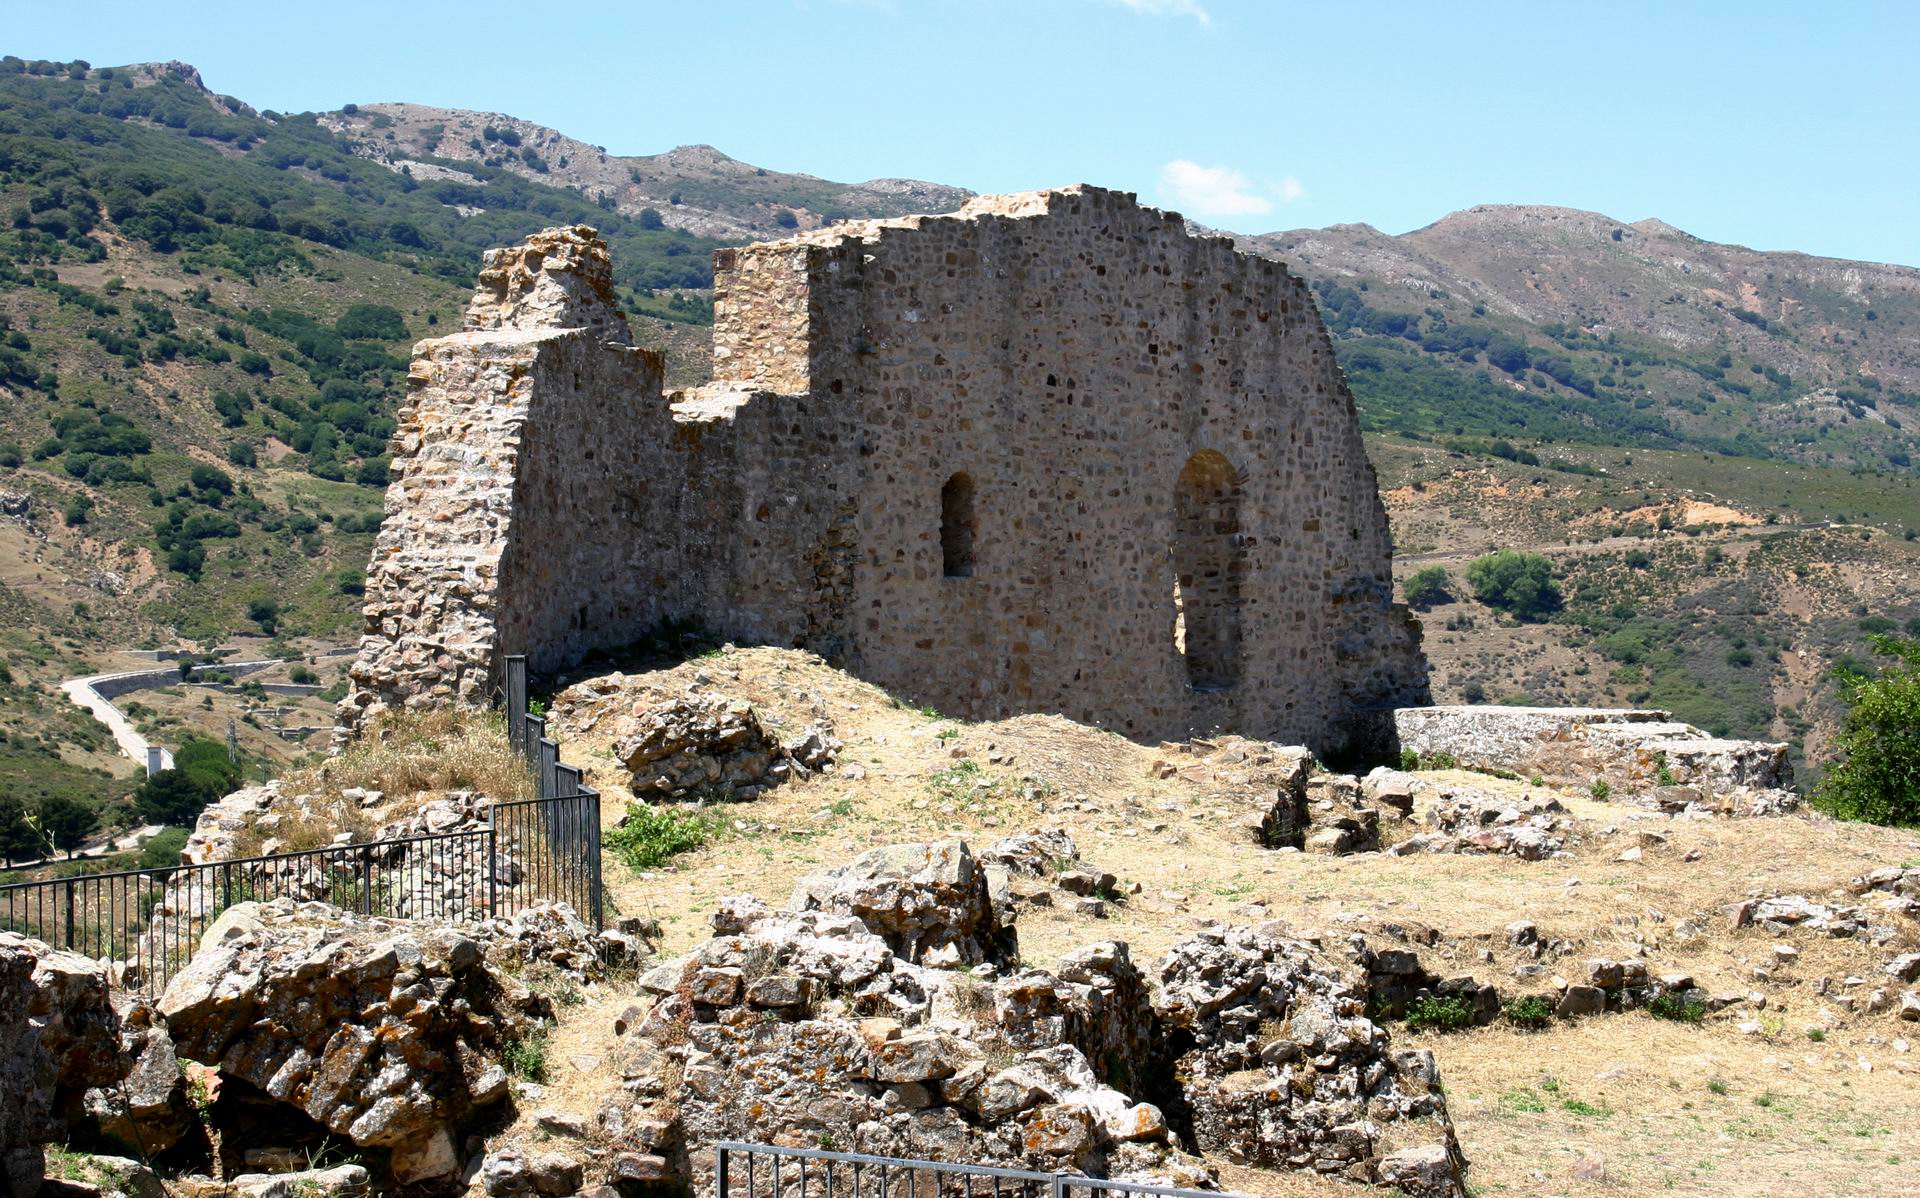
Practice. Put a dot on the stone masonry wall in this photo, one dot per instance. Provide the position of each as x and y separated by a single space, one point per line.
1072 352
1170 522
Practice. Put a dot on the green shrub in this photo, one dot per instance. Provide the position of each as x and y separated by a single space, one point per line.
1531 1012
648 836
1600 789
1424 588
1519 583
526 1056
1676 1008
1877 779
1440 1012
162 850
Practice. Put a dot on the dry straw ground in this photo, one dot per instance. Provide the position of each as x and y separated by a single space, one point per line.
1616 1104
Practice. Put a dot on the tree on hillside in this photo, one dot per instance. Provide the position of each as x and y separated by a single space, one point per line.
201 773
18 841
67 822
1878 777
1520 583
1424 588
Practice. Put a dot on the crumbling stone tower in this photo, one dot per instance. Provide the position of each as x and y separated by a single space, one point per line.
1048 453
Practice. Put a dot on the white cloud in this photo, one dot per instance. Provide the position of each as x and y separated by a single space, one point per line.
1291 189
1171 8
1212 190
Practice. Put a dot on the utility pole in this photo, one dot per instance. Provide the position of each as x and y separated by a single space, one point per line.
233 743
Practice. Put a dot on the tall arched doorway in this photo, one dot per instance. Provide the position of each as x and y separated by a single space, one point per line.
1209 570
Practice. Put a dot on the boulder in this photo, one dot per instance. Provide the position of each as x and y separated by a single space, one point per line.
386 1033
925 900
714 747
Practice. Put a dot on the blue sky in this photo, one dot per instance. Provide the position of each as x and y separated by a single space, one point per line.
1776 125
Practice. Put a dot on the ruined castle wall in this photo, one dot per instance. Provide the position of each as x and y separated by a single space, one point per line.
1072 367
777 485
1049 454
763 316
601 533
433 575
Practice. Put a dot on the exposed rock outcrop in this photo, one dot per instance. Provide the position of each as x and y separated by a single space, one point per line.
386 1033
714 747
59 1035
1280 1066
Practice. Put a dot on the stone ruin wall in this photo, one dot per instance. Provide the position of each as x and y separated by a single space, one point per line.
1069 351
549 500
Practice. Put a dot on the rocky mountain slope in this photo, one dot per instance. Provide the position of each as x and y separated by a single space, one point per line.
694 188
1630 333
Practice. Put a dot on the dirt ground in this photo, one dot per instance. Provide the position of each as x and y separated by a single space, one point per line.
1814 1101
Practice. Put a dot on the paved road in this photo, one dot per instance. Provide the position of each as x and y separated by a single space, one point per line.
134 745
83 693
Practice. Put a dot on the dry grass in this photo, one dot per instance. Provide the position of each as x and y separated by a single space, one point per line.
406 752
1663 1130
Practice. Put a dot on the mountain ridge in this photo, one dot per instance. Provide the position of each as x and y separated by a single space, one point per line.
694 187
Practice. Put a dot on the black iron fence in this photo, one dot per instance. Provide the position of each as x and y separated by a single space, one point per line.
766 1171
540 850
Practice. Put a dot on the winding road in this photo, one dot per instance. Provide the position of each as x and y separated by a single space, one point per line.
134 745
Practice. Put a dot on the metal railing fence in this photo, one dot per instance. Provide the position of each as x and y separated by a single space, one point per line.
744 1170
544 849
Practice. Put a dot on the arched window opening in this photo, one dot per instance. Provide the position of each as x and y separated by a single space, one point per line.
1209 571
956 526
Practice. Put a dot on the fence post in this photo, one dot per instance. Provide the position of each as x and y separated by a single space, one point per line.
516 669
720 1172
598 899
493 861
69 913
366 881
547 766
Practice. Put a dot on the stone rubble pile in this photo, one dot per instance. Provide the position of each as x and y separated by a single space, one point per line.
1044 869
886 1012
1282 1067
59 1037
1466 820
794 1026
1342 818
1397 981
707 746
1896 890
1273 777
1782 912
383 1032
929 902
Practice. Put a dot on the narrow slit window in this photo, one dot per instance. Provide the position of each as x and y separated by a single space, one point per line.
957 526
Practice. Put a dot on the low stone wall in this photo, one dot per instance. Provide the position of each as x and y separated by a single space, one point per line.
1627 747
